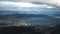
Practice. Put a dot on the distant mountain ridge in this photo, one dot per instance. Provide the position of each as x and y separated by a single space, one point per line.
24 16
27 17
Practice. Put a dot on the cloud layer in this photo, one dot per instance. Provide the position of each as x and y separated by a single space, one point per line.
22 5
51 2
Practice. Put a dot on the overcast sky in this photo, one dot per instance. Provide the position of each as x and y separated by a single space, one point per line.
53 2
30 6
18 4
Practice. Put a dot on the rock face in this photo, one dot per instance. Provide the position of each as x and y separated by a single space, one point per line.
18 30
36 29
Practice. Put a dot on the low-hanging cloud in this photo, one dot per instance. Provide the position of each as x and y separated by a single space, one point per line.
50 2
18 5
27 8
